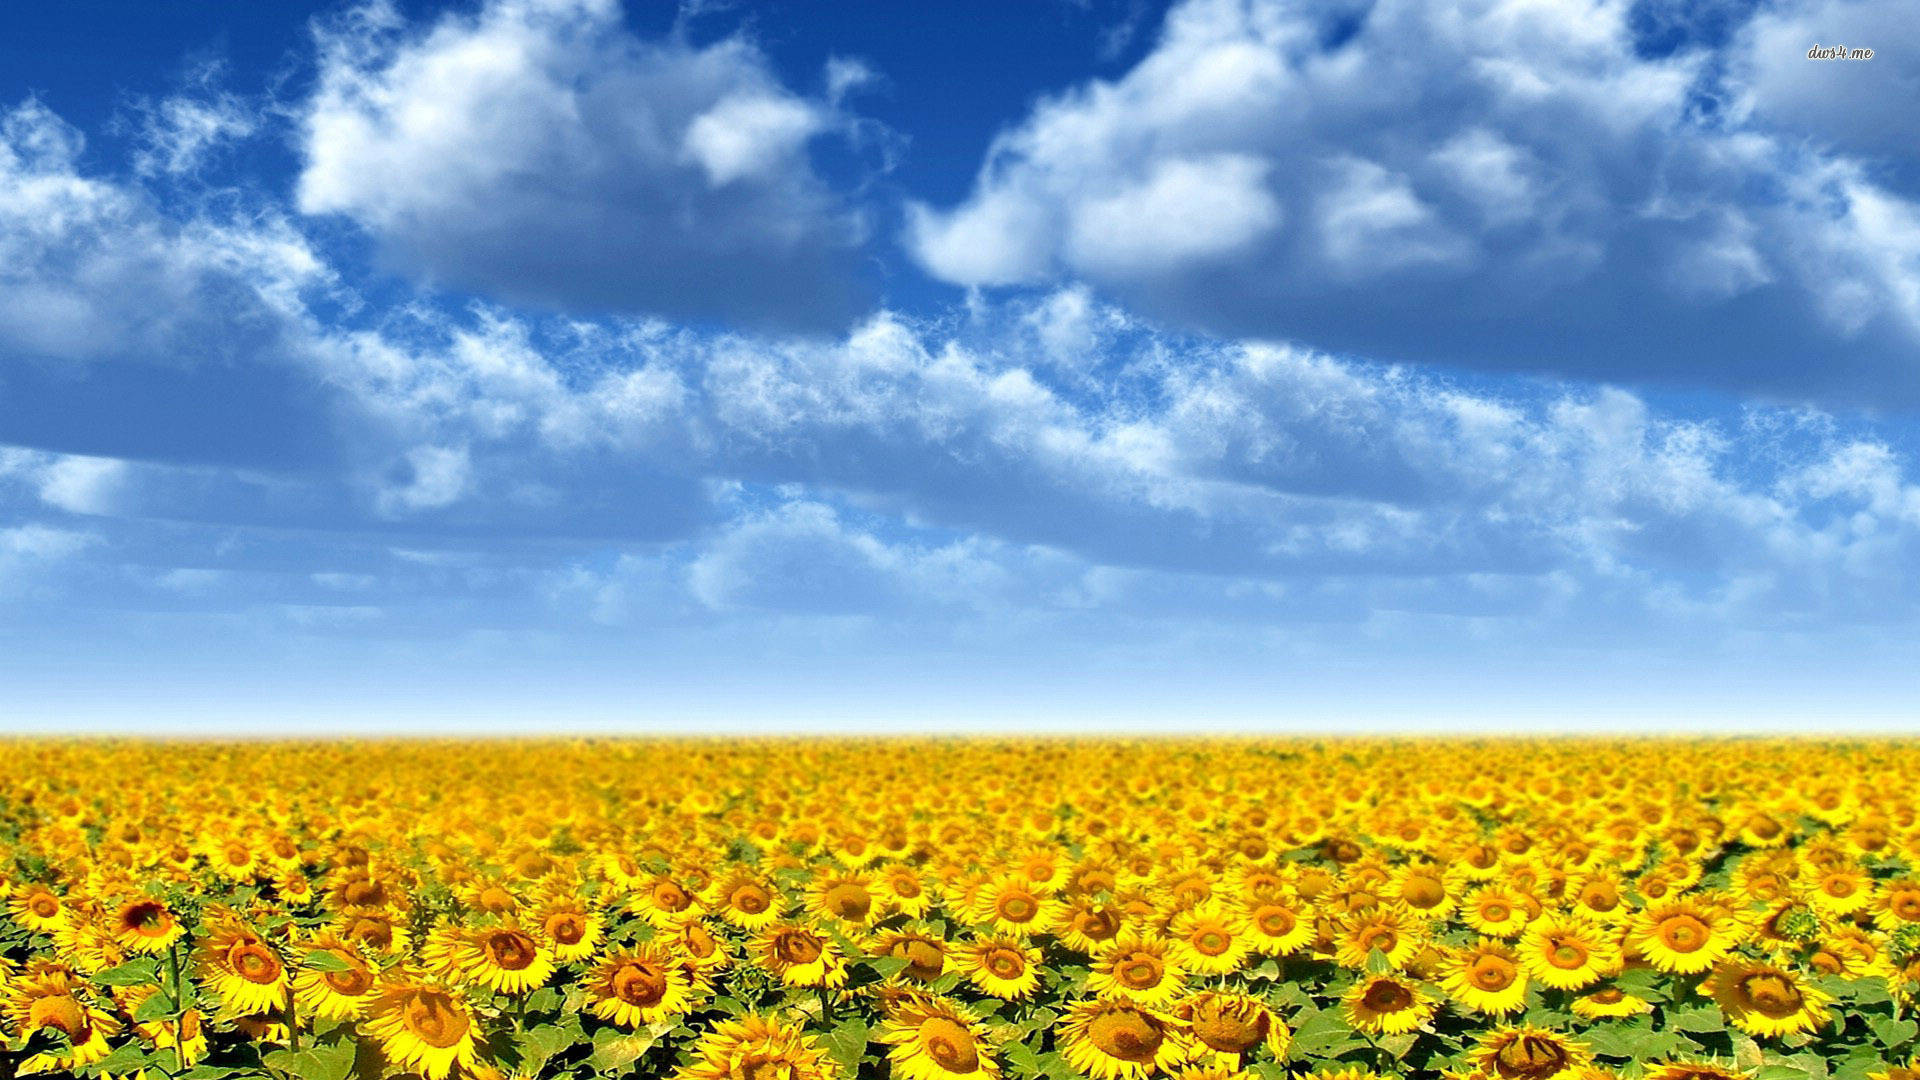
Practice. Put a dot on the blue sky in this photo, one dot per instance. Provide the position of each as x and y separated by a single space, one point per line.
565 364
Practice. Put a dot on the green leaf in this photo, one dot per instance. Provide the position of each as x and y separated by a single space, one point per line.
1024 1061
131 973
542 1044
614 1051
322 960
325 1061
156 1007
1377 962
847 1043
127 1059
888 966
1892 1033
1702 1020
1056 1067
1867 991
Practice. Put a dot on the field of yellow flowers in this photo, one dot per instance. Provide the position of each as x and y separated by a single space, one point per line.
961 910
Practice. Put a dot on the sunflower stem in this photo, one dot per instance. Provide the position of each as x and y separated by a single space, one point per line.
178 994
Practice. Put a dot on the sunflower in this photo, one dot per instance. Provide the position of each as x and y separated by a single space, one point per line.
243 971
425 1027
1909 1071
1422 889
847 897
1898 904
1387 1005
747 900
1764 999
936 1040
1278 927
800 957
37 907
1117 1039
144 925
53 1001
640 985
1567 953
1389 929
382 932
1497 911
1487 978
758 1048
571 930
1608 1002
505 959
664 901
1683 936
701 951
1207 939
340 991
1001 967
1225 1027
1841 889
924 952
902 892
1529 1053
1013 905
1086 925
1139 969
1598 896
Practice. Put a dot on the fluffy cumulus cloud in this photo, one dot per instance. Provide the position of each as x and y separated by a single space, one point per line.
536 152
129 328
1564 197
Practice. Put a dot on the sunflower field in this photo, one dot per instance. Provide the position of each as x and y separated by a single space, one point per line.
960 909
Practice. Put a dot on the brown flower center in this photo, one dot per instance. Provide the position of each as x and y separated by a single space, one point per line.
1126 1034
925 958
750 899
1491 973
254 962
640 983
1531 1057
1230 1027
566 928
796 947
1016 907
1683 933
1005 963
511 950
1387 996
434 1019
847 901
1771 995
949 1045
63 1012
1139 970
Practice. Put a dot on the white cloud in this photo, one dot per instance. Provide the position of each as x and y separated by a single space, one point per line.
27 552
1259 173
82 485
538 151
178 134
748 135
90 269
1187 210
432 478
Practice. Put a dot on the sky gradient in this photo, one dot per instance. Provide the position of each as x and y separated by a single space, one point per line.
541 365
